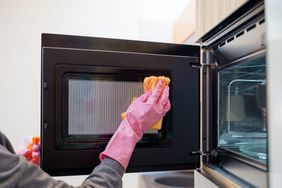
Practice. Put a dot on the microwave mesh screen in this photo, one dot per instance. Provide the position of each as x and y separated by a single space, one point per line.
95 106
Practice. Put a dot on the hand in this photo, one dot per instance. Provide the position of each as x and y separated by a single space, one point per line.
140 115
31 153
148 108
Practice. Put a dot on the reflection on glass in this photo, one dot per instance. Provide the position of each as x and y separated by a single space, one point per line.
242 121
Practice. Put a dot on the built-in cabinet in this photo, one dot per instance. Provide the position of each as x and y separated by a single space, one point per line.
210 12
200 16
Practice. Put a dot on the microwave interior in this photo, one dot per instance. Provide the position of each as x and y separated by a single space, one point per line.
242 123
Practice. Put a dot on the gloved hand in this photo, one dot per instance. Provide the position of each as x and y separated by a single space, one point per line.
140 115
31 151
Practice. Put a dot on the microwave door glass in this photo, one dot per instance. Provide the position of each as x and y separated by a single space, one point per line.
242 125
95 105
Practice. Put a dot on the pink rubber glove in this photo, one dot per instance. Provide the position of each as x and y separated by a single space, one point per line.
140 116
32 155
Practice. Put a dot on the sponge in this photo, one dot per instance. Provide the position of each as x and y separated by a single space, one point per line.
150 83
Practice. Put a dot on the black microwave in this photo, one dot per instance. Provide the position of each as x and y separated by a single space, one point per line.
218 116
88 82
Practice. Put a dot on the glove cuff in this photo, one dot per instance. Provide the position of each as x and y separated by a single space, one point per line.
122 143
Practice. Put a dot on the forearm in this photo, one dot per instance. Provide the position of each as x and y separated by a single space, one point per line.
122 143
108 174
20 173
16 171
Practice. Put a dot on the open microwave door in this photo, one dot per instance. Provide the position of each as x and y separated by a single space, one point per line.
88 82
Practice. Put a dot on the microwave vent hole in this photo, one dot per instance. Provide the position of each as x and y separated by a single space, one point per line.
229 40
222 44
251 27
261 22
215 48
240 34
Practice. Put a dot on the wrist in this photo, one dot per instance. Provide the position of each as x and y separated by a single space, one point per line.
131 121
122 144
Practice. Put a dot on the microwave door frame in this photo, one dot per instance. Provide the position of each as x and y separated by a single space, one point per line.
207 66
91 51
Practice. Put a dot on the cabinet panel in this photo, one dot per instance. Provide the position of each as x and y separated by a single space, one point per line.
209 13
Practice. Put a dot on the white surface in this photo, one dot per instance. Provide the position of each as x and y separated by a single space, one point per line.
139 180
160 9
22 23
71 180
274 63
157 26
166 179
201 181
129 180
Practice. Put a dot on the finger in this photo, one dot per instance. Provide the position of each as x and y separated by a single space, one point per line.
156 93
35 154
164 96
36 147
144 97
167 106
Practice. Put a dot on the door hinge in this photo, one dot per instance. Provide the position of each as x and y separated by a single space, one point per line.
208 59
196 65
198 152
212 153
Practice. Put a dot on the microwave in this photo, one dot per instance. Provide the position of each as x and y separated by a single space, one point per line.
218 118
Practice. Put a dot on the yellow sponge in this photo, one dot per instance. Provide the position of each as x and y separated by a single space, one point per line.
150 83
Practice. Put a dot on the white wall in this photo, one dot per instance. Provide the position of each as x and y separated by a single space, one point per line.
163 27
22 23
